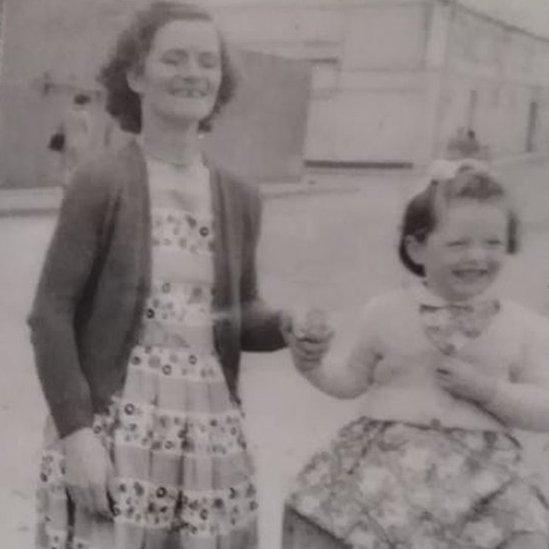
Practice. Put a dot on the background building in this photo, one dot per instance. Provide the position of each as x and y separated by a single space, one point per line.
392 80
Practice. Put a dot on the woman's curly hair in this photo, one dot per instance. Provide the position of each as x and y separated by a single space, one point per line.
129 54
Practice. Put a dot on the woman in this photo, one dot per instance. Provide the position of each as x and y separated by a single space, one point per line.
147 297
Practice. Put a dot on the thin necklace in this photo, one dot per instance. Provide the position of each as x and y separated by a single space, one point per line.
179 166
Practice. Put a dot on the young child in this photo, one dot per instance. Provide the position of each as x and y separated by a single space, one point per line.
447 370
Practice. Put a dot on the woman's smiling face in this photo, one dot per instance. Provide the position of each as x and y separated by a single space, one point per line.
180 76
464 254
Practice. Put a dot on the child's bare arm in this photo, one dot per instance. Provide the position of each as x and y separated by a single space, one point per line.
309 344
521 400
522 405
344 380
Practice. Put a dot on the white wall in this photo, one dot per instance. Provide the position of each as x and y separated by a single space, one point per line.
371 118
388 36
508 70
367 61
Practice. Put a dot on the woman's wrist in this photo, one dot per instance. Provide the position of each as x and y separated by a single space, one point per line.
76 435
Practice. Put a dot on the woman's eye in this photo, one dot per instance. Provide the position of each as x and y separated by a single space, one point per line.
170 60
457 244
494 243
175 58
208 60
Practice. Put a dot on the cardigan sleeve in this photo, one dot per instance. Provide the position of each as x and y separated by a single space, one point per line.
67 270
261 325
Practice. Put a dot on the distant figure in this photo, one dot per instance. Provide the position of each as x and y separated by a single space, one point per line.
464 145
454 145
472 146
76 129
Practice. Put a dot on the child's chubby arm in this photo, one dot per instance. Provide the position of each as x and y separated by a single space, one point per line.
309 342
463 380
522 400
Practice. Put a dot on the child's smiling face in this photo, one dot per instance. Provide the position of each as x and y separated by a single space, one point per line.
464 254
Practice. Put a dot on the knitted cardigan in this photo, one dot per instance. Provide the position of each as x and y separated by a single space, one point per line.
96 277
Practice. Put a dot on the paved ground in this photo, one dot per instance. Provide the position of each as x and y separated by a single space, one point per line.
330 249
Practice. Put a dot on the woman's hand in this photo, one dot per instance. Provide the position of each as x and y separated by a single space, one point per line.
463 380
89 471
308 337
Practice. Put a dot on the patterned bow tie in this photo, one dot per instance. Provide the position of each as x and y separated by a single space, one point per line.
450 326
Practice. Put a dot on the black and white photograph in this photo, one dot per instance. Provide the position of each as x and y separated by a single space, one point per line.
274 274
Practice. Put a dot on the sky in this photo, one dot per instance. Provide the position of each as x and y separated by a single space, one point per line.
532 15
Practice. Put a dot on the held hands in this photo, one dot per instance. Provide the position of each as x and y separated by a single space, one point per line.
308 337
463 380
89 471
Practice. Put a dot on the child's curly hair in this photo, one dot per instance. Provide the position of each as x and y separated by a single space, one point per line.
470 182
131 49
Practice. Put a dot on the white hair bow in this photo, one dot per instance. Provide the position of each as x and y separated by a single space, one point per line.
442 169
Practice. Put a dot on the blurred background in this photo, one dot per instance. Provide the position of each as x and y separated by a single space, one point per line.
342 83
343 105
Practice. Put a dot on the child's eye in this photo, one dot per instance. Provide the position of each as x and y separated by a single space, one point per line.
170 60
208 60
494 243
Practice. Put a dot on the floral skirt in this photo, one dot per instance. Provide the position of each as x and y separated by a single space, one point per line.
387 484
184 478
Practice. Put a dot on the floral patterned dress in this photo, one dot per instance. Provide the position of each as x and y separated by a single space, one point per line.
183 475
385 484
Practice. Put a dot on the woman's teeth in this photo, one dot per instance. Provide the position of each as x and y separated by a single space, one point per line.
191 93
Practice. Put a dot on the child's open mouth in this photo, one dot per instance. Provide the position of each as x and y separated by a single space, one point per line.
470 275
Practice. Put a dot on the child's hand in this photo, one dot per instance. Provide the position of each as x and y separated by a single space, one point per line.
463 380
308 337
